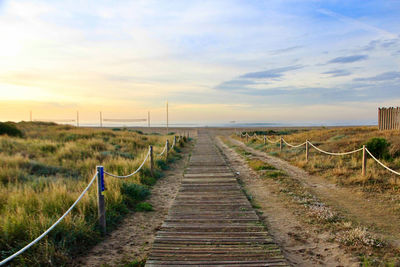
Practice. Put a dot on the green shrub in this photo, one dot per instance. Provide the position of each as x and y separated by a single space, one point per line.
10 129
162 164
136 263
275 174
147 180
48 148
144 206
133 193
378 147
40 169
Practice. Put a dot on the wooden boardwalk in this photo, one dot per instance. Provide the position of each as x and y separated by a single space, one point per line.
211 222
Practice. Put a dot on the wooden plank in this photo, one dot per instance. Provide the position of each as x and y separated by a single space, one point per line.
211 222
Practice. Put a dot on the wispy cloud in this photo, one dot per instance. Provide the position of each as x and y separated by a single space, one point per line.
387 76
348 59
271 73
235 85
249 82
338 73
285 50
383 43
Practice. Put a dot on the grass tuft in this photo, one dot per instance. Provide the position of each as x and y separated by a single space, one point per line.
144 206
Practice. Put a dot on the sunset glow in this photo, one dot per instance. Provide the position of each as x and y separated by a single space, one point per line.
313 62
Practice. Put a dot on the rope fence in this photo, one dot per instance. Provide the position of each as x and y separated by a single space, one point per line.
100 172
51 227
307 143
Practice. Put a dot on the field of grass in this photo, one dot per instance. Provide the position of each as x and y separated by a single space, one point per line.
44 171
344 170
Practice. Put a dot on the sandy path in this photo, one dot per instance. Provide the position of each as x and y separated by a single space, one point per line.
302 244
133 239
354 204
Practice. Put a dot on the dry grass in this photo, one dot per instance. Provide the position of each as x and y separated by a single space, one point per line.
43 173
344 170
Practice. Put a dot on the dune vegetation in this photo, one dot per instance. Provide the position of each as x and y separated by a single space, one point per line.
45 168
344 170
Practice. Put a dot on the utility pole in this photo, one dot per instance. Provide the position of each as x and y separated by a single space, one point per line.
101 120
167 117
77 119
148 119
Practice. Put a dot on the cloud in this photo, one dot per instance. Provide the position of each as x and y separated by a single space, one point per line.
247 82
386 76
234 85
338 73
285 50
383 43
271 73
343 93
348 59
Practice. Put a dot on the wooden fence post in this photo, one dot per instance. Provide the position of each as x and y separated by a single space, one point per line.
364 162
247 137
167 148
101 205
151 161
379 119
174 140
280 144
265 140
386 117
306 150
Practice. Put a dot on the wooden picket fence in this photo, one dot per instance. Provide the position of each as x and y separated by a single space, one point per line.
389 118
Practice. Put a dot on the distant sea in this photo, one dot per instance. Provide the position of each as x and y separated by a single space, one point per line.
230 125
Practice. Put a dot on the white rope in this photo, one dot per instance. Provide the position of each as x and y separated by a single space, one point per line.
133 173
273 142
173 144
165 148
293 146
383 165
332 153
51 227
335 154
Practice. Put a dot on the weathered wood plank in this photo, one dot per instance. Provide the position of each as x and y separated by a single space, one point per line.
211 222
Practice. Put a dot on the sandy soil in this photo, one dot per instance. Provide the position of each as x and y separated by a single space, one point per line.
354 204
302 244
133 239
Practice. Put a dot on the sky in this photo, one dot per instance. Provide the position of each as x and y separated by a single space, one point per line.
291 62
